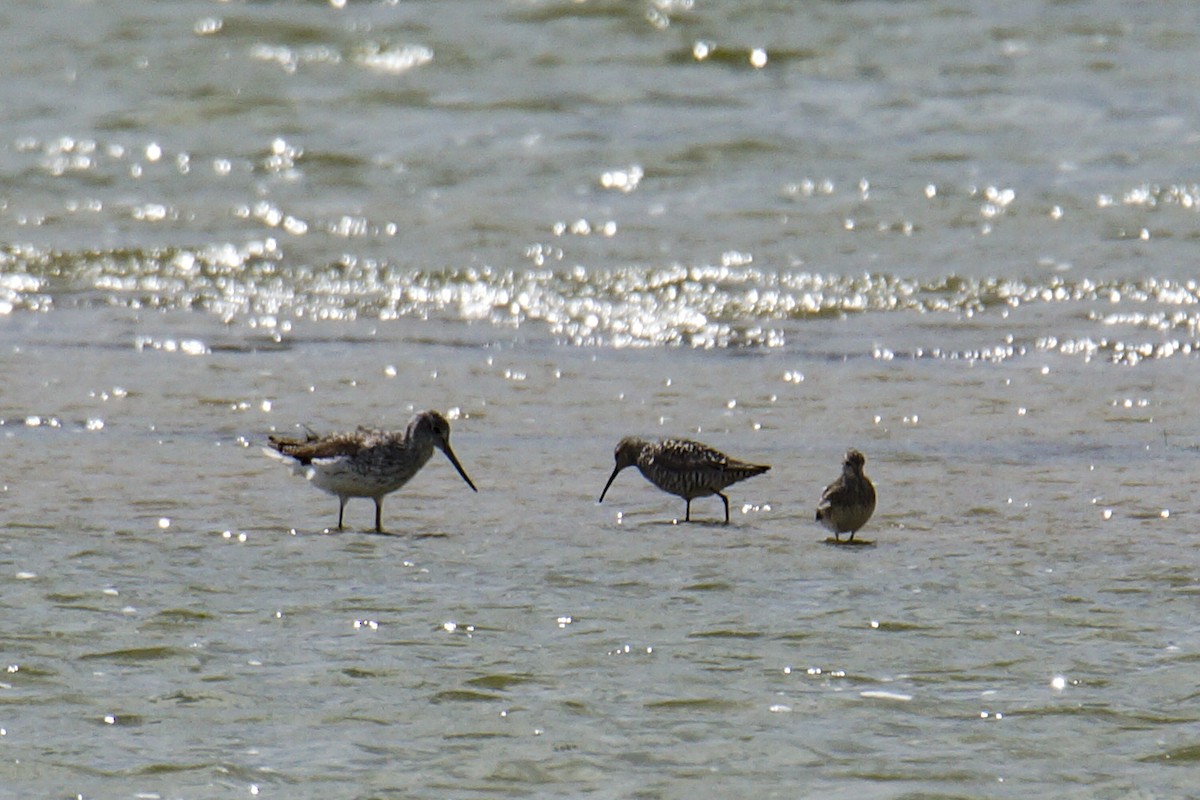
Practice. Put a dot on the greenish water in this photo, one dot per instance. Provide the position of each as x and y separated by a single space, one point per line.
958 237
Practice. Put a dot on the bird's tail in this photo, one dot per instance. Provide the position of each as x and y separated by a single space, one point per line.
742 470
276 451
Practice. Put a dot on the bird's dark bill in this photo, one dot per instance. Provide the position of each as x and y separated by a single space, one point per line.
611 478
454 460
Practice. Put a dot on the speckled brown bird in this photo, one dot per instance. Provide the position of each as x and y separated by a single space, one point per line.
849 501
367 463
682 467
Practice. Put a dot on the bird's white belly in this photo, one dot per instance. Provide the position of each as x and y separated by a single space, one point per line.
338 476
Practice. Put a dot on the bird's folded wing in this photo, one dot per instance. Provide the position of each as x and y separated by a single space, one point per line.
305 450
681 455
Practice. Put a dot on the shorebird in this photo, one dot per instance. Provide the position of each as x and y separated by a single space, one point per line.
682 467
367 463
849 501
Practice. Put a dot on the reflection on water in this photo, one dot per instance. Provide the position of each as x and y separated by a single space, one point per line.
703 307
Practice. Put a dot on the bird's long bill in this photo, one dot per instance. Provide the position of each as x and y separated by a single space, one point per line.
611 478
454 460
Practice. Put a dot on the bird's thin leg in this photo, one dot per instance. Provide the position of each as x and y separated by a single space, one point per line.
725 500
851 539
687 514
341 510
379 515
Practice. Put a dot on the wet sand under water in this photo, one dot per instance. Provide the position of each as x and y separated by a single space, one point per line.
180 617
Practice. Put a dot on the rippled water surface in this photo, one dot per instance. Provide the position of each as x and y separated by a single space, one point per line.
961 237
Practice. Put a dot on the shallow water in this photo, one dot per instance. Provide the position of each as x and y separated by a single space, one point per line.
957 237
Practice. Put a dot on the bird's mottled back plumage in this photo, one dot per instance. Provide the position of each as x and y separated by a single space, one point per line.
314 446
365 462
682 467
848 502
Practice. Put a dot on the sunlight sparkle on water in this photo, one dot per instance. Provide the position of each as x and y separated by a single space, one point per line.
450 626
206 26
732 303
881 695
622 180
627 649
